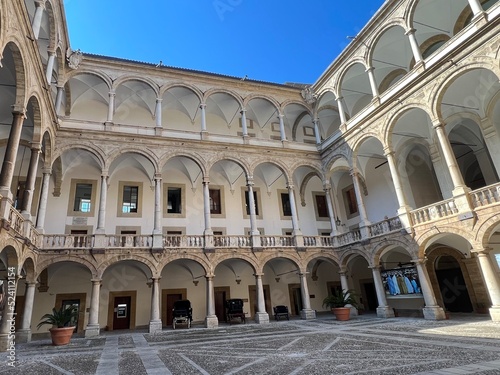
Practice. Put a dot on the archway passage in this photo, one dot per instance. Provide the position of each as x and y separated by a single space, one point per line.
452 285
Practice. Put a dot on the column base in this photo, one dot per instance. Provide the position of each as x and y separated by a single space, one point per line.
495 313
261 318
155 326
211 322
307 314
92 330
23 336
204 135
7 343
434 313
385 312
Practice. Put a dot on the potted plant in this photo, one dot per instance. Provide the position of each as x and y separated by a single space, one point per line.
60 321
337 302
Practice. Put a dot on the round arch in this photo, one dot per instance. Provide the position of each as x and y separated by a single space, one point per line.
171 85
202 261
145 80
152 267
94 151
193 157
44 264
213 91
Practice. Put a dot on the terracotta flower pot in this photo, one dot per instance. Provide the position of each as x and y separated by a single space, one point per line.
61 336
342 313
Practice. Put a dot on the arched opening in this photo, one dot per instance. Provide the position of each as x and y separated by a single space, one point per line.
452 284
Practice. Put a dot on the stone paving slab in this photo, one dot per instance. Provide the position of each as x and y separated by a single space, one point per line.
468 344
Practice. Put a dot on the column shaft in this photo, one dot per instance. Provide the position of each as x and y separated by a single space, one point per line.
490 279
50 67
206 207
340 105
203 117
157 214
261 303
359 197
37 19
30 180
111 106
331 213
316 131
449 157
101 218
396 178
28 306
251 203
9 160
476 6
306 302
282 127
244 122
42 207
373 82
158 120
417 54
59 98
293 208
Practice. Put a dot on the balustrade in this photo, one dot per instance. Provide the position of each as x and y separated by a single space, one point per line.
486 196
434 211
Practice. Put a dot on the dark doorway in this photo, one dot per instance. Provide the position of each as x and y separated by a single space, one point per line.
295 298
171 298
452 285
371 302
76 303
221 294
121 315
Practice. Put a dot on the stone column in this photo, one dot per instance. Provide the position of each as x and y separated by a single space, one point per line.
59 98
155 324
50 66
476 6
158 210
101 218
42 207
9 160
359 198
282 127
490 281
111 107
329 204
244 122
203 117
383 309
344 285
306 313
431 310
459 187
340 105
373 82
93 328
417 54
24 333
293 208
261 315
158 121
206 206
30 182
211 320
316 131
37 20
404 209
251 204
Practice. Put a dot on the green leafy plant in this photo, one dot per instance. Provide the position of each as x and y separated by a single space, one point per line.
59 318
340 298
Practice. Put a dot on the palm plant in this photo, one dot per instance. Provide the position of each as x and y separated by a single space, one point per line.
340 298
59 318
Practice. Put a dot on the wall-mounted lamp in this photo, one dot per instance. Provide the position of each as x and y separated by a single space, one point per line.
338 222
277 279
238 280
195 282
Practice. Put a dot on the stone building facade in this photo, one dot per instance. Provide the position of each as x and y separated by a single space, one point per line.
132 185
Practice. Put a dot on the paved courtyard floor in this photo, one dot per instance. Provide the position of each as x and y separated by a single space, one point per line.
465 344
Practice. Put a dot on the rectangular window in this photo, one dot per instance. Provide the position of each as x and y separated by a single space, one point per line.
215 201
130 199
321 205
174 200
350 202
83 196
247 203
285 204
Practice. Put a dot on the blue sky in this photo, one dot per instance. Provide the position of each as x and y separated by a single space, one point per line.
275 41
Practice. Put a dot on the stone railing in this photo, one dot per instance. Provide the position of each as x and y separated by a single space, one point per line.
16 221
386 226
318 241
129 240
277 241
232 241
66 241
434 211
485 196
349 237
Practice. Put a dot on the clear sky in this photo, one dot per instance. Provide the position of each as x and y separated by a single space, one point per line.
277 41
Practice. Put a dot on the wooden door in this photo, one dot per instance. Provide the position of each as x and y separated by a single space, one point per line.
221 294
295 299
171 298
121 315
252 293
